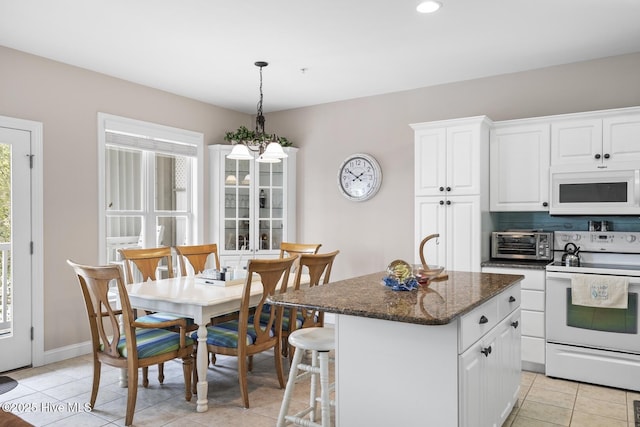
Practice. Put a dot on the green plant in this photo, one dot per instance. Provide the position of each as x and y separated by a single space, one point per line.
244 134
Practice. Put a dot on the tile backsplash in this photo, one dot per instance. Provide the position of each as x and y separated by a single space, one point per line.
544 221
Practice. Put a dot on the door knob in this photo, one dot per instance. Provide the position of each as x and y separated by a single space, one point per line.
486 351
441 202
606 155
515 324
512 299
448 202
483 320
597 156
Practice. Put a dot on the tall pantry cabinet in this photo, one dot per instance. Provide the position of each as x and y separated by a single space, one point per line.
253 205
451 191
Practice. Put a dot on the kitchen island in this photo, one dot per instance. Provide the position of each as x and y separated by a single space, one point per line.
447 354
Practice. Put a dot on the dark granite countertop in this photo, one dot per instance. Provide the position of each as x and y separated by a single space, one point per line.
516 263
436 304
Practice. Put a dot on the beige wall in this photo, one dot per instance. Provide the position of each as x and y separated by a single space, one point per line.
370 234
66 100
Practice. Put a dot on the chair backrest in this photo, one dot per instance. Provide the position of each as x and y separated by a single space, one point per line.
298 248
272 272
197 256
319 268
146 261
103 317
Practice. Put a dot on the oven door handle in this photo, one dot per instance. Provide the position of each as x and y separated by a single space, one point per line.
554 275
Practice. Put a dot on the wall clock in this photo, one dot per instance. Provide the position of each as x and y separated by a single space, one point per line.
359 177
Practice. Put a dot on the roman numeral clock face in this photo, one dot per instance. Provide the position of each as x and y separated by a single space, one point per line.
359 177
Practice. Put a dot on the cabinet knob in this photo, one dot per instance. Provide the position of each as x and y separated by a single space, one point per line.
448 202
483 319
545 204
515 324
606 155
512 299
441 202
441 188
486 351
597 156
448 188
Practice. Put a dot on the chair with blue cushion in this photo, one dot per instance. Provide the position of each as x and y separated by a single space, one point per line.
248 335
139 345
318 267
142 265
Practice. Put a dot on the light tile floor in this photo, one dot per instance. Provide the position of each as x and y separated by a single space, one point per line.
54 389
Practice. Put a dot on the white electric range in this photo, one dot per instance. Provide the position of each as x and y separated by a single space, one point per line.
593 344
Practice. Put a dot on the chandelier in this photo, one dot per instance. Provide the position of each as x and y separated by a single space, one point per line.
266 146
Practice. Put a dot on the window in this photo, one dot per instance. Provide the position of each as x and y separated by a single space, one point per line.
151 180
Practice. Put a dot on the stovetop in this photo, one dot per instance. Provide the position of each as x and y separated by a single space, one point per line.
597 268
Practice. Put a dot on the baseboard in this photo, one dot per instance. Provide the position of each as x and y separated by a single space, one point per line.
67 352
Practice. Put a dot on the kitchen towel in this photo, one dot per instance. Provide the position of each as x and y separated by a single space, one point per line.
599 291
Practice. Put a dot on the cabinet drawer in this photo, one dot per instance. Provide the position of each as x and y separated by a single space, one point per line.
532 300
508 301
533 279
532 349
533 323
478 322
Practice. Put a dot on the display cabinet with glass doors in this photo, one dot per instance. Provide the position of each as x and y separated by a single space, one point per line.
252 205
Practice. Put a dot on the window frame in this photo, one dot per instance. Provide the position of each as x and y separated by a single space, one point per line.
160 132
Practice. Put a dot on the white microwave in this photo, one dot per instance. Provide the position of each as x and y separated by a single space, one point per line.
580 191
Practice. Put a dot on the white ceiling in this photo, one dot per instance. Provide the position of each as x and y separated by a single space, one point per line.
205 49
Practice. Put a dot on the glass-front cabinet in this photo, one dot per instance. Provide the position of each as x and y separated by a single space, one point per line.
252 205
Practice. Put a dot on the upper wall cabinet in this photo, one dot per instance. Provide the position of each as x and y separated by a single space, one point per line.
599 139
448 157
519 166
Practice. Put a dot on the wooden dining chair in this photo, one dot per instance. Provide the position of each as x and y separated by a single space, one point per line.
249 335
318 267
145 263
140 345
197 257
289 248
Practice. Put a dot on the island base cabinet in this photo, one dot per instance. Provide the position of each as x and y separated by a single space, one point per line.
391 373
490 375
395 374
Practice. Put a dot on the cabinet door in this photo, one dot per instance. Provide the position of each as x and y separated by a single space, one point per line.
506 362
252 205
474 388
621 138
463 160
519 173
430 218
462 235
576 142
430 162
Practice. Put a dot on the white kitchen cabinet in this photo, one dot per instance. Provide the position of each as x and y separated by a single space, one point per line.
489 372
449 157
252 205
457 220
532 314
519 166
599 139
451 189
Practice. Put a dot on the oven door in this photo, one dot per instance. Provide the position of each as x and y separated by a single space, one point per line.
601 328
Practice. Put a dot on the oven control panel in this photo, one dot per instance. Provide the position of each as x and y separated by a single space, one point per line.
599 241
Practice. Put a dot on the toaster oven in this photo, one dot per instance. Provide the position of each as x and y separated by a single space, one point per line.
525 245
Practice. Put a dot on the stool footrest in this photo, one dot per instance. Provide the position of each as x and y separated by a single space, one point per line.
301 421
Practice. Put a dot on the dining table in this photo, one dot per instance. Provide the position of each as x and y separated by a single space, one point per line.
191 297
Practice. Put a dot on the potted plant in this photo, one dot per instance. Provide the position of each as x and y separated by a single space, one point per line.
244 134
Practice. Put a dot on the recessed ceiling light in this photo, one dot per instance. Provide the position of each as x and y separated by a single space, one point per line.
429 6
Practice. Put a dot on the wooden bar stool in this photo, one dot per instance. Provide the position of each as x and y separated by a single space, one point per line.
320 341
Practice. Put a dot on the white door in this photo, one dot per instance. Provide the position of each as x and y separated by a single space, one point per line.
15 245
